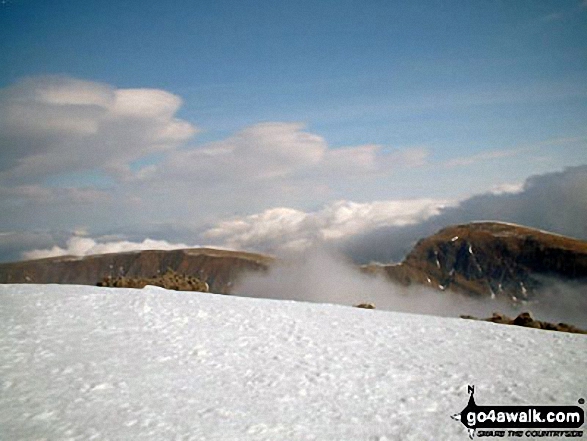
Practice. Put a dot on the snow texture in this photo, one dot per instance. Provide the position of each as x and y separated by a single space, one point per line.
82 363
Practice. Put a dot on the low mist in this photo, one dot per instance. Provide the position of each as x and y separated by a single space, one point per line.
322 276
561 302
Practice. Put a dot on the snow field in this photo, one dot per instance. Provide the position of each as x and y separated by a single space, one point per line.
82 363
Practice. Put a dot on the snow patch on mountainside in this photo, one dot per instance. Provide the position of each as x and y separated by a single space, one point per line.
97 363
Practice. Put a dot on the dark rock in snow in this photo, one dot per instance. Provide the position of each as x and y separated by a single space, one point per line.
526 320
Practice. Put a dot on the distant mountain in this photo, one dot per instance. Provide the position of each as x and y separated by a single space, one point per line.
218 268
483 258
491 259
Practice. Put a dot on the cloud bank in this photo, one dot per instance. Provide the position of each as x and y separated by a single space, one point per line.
385 231
279 229
555 202
85 246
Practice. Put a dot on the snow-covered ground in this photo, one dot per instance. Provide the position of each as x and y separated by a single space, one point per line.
113 364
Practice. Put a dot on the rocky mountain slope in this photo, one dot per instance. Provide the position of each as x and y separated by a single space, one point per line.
218 268
491 259
484 259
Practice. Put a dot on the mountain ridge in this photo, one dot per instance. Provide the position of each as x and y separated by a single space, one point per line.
483 258
218 268
490 259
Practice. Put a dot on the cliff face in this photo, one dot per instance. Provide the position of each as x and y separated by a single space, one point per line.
493 259
218 268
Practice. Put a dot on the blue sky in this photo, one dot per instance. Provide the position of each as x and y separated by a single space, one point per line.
387 72
459 97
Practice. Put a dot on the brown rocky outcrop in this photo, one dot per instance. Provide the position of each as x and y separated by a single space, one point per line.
169 280
365 306
525 319
491 259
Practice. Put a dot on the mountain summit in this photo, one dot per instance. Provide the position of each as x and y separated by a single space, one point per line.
491 259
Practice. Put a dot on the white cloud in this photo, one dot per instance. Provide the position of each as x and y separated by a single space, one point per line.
262 151
375 231
85 246
52 125
279 150
555 202
55 129
285 228
270 164
511 188
267 165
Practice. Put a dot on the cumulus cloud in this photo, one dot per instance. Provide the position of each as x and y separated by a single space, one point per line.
51 125
272 164
286 228
262 151
385 231
85 246
276 150
65 142
56 125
